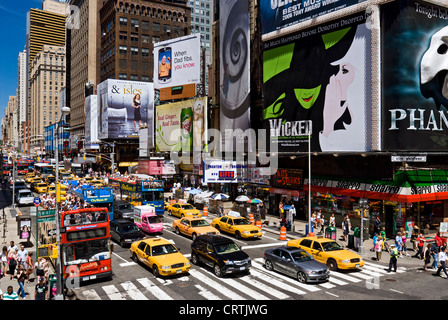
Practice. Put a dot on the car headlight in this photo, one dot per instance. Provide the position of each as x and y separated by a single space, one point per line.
344 261
228 262
246 232
187 264
166 267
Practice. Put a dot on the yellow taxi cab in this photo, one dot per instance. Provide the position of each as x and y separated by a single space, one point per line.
51 189
183 210
50 179
29 176
161 256
34 180
41 187
329 252
87 179
237 225
193 227
97 183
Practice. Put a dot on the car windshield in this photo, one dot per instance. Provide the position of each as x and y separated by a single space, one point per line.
163 249
125 206
154 219
128 228
227 247
301 256
241 222
187 207
331 246
26 194
199 223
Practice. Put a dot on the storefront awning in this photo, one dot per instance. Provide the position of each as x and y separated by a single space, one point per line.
407 186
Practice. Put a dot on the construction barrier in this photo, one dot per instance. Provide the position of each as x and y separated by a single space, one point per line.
258 224
251 218
283 233
205 211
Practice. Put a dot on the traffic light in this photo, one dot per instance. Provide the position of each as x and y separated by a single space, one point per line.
60 192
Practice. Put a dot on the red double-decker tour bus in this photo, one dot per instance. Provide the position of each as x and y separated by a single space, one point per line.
86 244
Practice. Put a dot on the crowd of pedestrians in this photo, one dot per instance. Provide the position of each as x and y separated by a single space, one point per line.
17 263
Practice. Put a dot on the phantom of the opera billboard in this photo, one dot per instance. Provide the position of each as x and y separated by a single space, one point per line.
318 81
414 76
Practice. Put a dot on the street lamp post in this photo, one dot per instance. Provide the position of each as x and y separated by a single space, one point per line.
309 181
363 204
59 296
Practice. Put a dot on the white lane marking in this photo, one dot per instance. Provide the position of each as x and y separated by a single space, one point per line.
127 264
361 275
120 257
396 291
113 293
399 270
327 285
337 281
245 289
132 291
345 277
277 283
154 290
265 288
331 294
206 294
91 295
285 278
278 244
217 286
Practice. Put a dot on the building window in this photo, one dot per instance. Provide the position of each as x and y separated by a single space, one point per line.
155 27
145 38
122 76
123 49
134 77
134 37
145 78
134 51
123 21
145 52
123 35
134 23
145 25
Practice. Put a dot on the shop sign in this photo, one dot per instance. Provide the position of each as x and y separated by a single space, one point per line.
292 178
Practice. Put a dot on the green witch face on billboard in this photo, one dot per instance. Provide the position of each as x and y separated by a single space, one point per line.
307 84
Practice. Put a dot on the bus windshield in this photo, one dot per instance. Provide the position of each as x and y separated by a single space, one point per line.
82 218
87 251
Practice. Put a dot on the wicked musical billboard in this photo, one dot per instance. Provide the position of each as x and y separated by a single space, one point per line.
318 81
414 76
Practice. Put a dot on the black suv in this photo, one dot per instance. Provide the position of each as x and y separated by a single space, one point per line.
123 209
220 253
124 231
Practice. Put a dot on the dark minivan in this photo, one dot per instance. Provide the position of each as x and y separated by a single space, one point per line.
125 232
219 253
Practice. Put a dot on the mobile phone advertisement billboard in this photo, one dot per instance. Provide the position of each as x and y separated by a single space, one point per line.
123 107
278 14
318 81
414 76
177 62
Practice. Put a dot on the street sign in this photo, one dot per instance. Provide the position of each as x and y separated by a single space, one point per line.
408 158
37 201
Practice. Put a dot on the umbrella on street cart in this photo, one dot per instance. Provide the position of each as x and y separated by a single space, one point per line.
219 196
242 198
255 201
195 191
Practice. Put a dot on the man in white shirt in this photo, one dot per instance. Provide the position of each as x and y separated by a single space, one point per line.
442 261
22 254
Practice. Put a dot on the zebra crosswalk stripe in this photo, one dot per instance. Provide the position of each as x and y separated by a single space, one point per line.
112 292
91 295
206 293
277 283
265 288
132 291
154 290
212 283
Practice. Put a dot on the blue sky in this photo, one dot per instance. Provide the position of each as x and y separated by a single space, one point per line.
13 26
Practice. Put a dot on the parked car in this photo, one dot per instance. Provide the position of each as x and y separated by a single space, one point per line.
123 209
329 252
296 263
124 231
219 253
193 227
161 256
24 197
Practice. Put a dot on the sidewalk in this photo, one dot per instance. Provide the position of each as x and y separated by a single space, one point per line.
10 234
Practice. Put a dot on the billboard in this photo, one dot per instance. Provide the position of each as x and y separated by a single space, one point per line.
177 61
218 171
318 81
235 66
181 126
91 123
414 82
124 106
278 14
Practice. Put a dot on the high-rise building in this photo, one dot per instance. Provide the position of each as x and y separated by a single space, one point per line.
21 94
43 28
129 28
82 61
47 77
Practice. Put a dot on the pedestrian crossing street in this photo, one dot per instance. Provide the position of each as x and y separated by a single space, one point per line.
201 284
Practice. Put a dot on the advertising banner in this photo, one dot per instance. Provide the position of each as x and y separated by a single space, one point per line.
124 106
91 123
414 83
318 81
234 65
288 178
177 61
224 172
279 14
181 126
